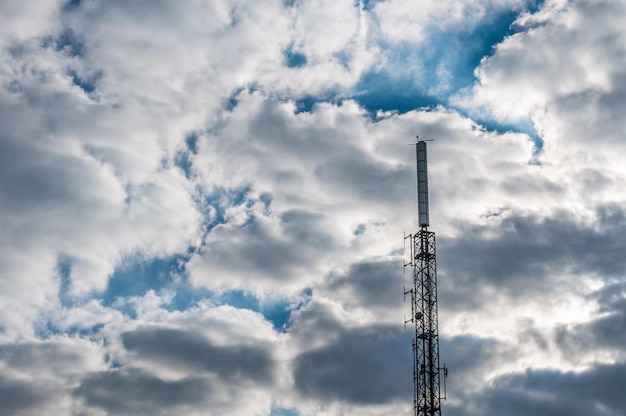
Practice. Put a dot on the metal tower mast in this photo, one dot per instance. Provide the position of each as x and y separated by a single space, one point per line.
427 374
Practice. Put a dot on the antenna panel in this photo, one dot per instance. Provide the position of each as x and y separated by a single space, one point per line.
422 183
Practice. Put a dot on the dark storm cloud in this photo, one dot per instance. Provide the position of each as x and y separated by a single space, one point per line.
314 320
18 396
133 392
464 354
363 366
531 186
306 228
266 250
526 251
37 355
469 359
193 351
373 365
598 392
365 177
253 250
610 118
606 123
334 155
607 331
31 174
611 297
370 283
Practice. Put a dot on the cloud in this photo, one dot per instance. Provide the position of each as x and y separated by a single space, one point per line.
22 397
233 158
369 284
37 376
159 362
595 391
188 349
127 392
20 23
287 163
468 355
562 51
62 357
401 23
203 359
362 366
603 337
525 252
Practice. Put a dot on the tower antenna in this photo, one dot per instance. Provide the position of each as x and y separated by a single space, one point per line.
427 374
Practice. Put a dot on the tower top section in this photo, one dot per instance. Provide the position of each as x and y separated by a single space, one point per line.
422 182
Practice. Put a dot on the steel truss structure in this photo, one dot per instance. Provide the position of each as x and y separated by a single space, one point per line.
427 374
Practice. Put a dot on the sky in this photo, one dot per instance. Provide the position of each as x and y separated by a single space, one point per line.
203 205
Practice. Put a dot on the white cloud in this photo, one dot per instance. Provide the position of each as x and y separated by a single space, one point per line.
99 104
410 22
566 48
21 22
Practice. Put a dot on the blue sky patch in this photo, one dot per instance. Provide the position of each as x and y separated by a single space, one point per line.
83 332
381 91
460 52
294 59
276 311
192 143
137 276
184 161
430 74
231 102
64 271
184 158
281 411
221 199
70 43
520 126
368 4
87 84
71 5
305 104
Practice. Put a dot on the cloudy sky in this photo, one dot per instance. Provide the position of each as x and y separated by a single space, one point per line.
203 204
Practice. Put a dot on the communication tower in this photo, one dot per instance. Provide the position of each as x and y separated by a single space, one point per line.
427 374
